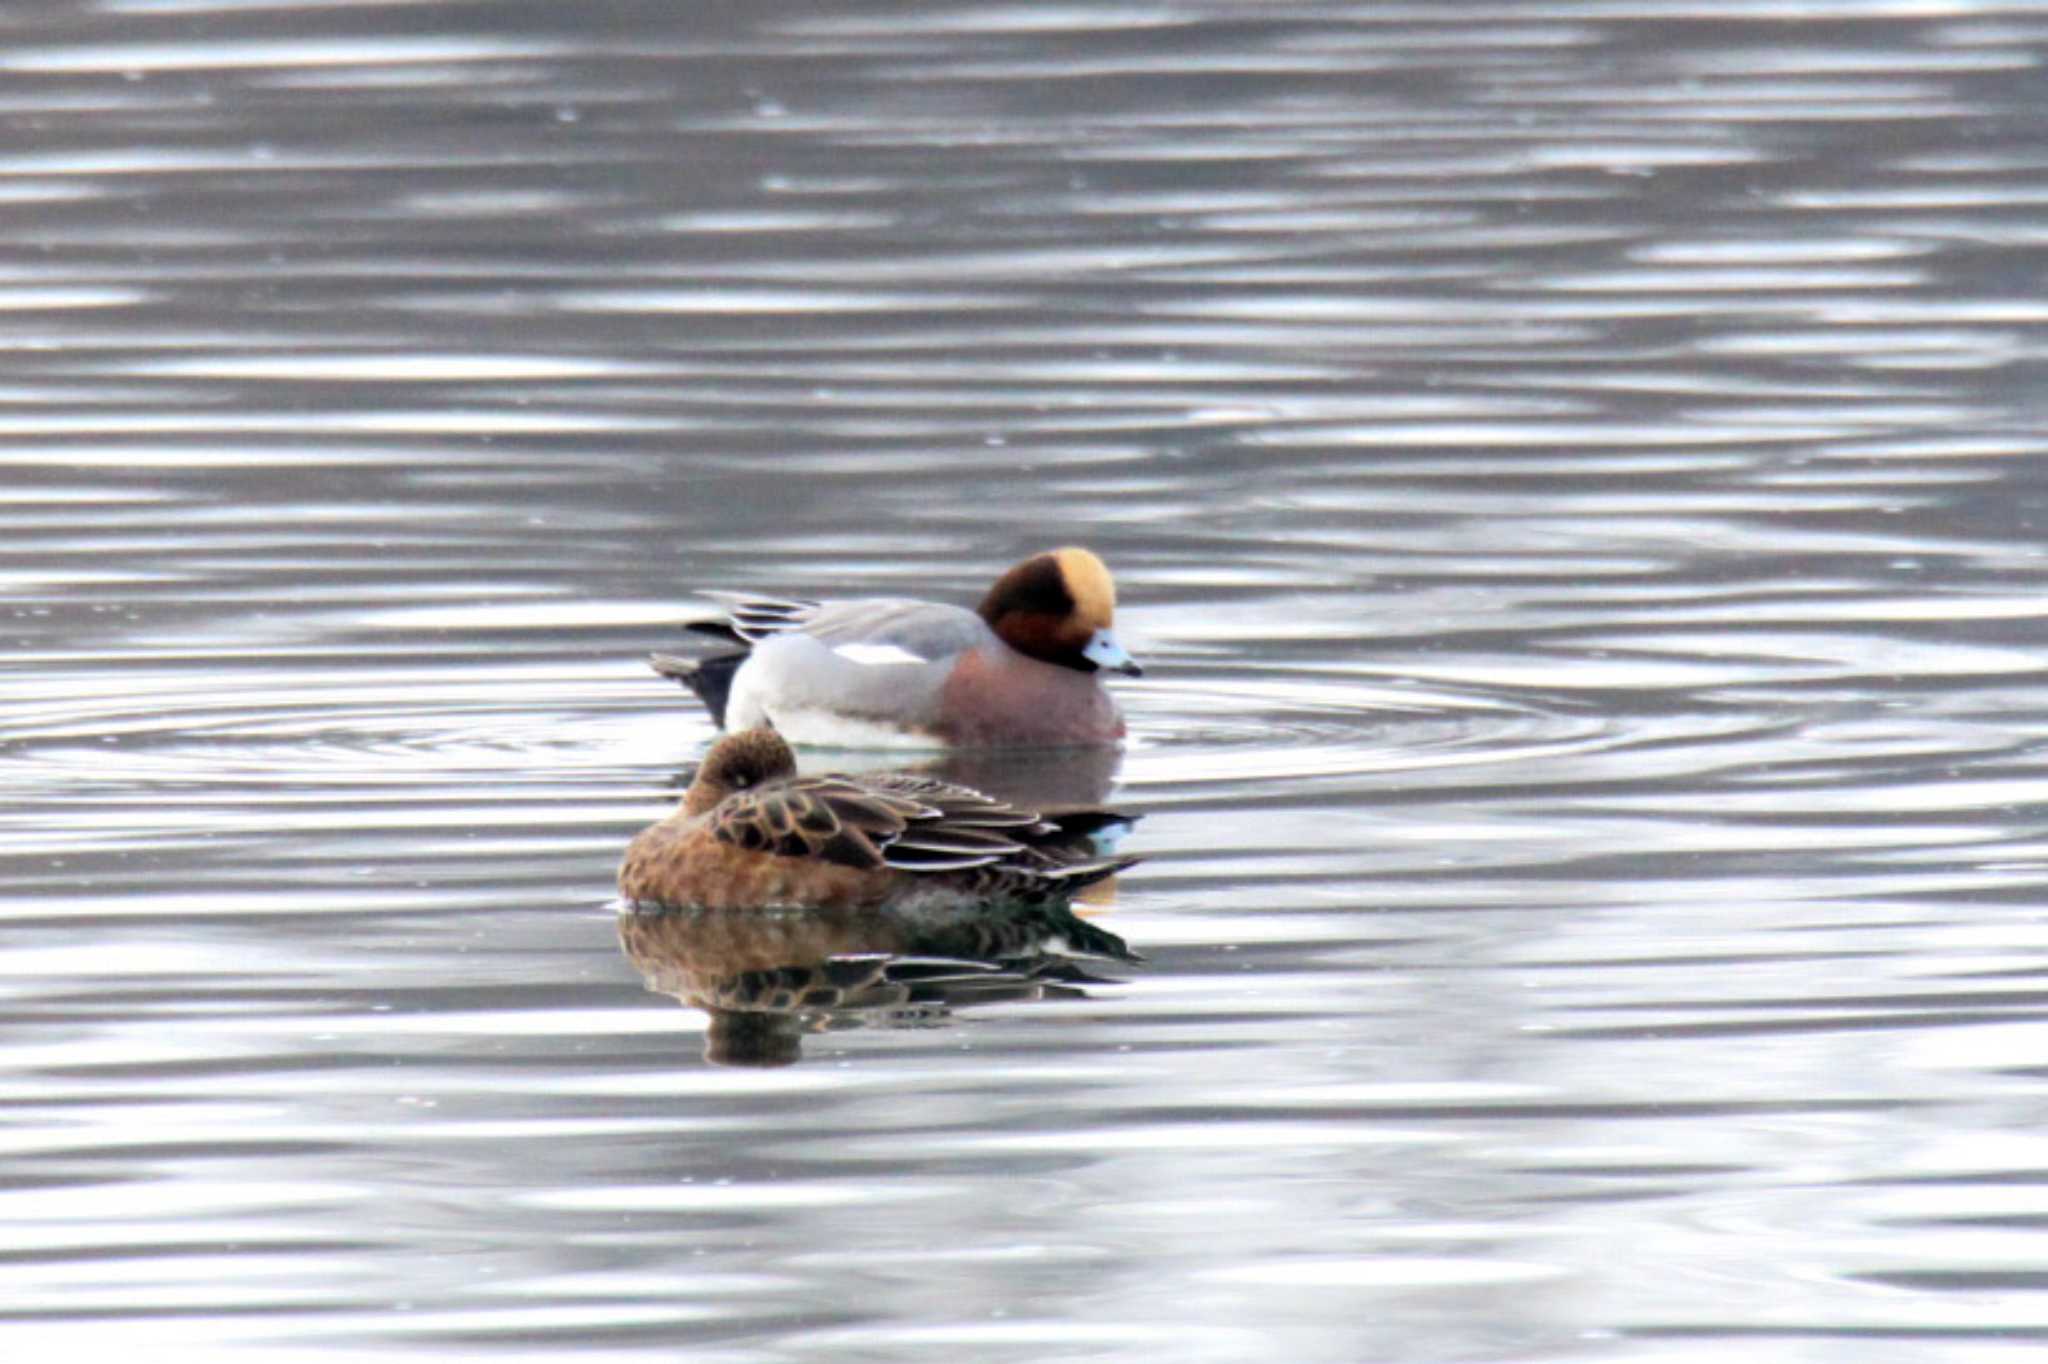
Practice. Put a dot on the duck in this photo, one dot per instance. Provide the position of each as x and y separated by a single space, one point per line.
1022 669
751 834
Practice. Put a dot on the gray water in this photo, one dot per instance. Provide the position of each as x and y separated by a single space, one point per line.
1573 474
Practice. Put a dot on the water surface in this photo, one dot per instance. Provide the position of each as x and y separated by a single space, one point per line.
1573 476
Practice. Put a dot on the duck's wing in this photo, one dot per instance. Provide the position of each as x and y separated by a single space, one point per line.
1074 847
906 823
874 631
752 618
826 819
966 828
960 806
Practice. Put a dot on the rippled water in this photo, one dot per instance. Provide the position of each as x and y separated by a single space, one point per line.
1573 472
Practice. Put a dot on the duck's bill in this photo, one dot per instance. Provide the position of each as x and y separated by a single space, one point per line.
1104 652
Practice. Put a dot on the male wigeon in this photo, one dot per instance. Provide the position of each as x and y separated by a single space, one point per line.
752 834
1022 669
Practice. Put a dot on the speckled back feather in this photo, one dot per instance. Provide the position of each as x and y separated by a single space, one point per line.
910 823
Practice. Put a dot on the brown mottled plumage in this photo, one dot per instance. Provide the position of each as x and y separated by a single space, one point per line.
752 834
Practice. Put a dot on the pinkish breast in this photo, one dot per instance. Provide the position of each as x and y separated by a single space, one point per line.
998 698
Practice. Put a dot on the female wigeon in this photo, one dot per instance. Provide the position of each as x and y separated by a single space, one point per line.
752 834
1022 669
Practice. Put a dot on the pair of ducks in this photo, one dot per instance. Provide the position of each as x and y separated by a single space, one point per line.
1021 670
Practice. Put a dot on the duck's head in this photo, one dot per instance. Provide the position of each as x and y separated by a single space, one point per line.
739 762
1059 607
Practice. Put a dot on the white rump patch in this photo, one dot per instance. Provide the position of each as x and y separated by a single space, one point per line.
877 655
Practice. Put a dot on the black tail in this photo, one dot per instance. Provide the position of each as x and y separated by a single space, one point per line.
718 630
710 678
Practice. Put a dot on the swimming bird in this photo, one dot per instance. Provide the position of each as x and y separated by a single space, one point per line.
752 834
1023 669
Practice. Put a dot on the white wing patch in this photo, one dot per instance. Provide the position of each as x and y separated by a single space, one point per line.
877 655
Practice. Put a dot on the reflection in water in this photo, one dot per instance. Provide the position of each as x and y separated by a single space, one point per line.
1050 780
766 977
1046 779
1575 472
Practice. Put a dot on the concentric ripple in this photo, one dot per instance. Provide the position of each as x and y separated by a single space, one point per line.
1573 475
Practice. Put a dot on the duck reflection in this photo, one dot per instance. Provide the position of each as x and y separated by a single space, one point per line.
779 902
1036 778
768 977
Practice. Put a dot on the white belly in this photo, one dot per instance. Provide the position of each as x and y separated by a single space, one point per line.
818 696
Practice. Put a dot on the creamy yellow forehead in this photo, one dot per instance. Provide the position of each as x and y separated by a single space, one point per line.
1087 580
